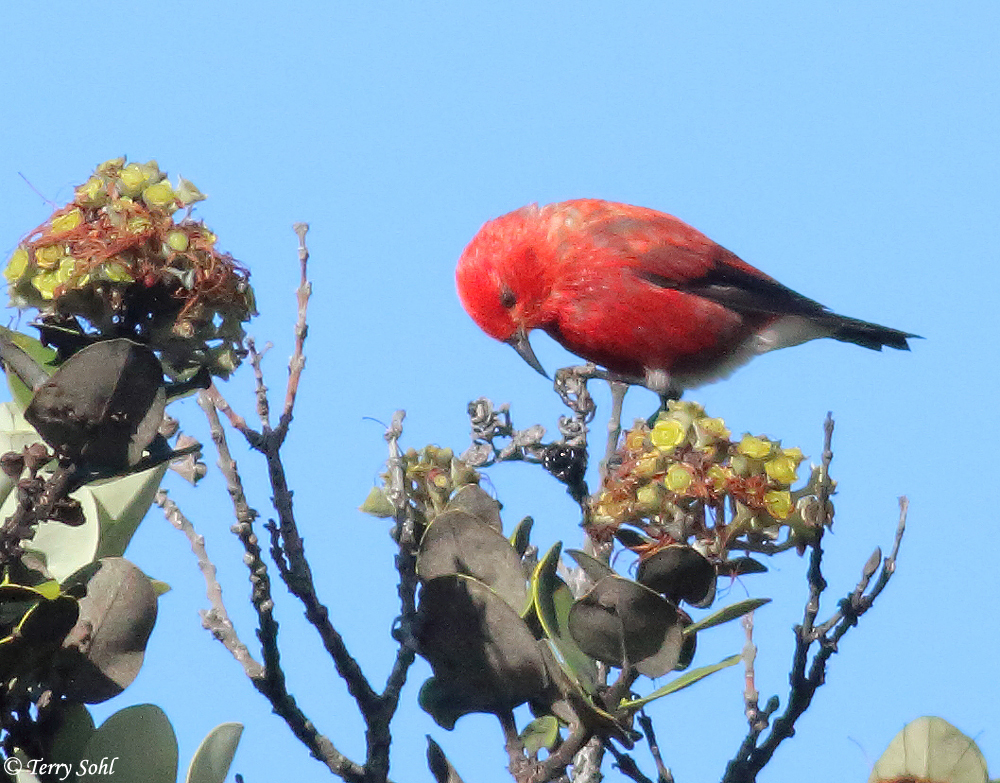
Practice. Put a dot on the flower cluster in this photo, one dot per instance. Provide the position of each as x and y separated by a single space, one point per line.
685 477
116 257
432 476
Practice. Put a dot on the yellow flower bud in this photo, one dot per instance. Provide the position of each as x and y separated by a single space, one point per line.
795 454
678 478
717 476
668 434
709 431
743 466
115 271
635 440
49 256
17 265
45 283
685 408
778 504
160 196
755 448
781 469
67 222
111 167
132 179
646 466
178 241
92 193
615 512
187 193
648 498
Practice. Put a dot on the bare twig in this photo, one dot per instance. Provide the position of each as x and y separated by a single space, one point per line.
288 551
298 362
663 774
33 507
751 696
263 407
378 734
753 755
237 422
627 765
588 761
217 618
618 392
562 756
519 766
271 680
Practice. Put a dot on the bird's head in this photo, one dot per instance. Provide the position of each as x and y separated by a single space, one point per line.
502 283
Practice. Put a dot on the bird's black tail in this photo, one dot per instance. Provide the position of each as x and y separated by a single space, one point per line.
868 335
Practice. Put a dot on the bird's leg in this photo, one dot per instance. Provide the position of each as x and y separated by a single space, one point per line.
618 391
660 382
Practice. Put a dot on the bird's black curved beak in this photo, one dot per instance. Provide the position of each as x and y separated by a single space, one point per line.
519 342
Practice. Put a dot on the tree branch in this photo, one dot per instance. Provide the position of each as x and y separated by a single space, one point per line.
754 755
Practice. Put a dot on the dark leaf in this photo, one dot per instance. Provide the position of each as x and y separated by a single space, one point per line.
107 646
680 573
103 405
483 656
740 566
590 565
457 542
474 500
521 537
624 623
438 763
630 538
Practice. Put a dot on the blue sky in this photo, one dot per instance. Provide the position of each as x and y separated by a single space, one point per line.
848 149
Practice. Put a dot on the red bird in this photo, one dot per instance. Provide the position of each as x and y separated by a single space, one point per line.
639 292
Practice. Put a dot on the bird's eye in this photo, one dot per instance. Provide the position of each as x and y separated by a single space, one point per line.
507 298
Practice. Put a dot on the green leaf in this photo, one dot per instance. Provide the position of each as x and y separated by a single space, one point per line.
682 682
112 511
521 536
42 355
377 504
65 549
727 613
553 600
541 733
139 741
930 748
214 756
122 504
